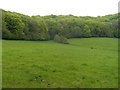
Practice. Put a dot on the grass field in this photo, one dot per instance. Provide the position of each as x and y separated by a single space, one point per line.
84 63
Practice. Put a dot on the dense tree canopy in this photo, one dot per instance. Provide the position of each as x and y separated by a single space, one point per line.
23 27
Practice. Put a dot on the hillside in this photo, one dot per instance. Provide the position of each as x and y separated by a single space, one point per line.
17 26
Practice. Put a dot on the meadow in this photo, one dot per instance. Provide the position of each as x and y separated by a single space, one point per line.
84 63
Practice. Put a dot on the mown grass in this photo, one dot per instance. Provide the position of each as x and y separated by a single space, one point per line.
84 63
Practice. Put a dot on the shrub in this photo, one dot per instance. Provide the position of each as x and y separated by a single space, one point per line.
60 39
57 38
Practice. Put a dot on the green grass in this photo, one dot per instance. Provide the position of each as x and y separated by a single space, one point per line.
84 63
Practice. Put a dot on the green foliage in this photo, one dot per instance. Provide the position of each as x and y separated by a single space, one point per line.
86 31
60 39
18 26
57 38
14 25
6 34
38 29
23 27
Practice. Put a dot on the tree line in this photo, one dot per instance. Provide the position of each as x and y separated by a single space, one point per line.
17 26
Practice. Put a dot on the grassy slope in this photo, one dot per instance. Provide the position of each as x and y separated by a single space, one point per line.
85 63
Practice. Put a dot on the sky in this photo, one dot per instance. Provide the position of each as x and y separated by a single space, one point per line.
61 7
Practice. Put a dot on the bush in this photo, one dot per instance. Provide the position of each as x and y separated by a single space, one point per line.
60 39
57 38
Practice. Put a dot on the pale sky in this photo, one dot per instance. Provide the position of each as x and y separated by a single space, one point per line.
61 7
